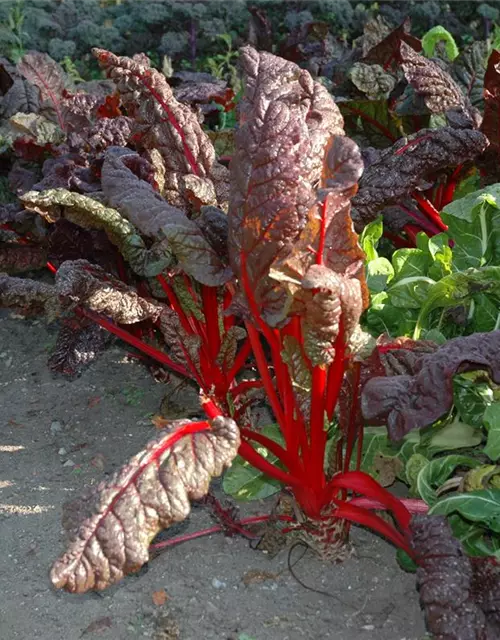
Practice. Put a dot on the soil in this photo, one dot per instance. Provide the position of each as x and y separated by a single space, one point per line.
58 436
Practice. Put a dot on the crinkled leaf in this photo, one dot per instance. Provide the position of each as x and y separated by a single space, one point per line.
79 343
21 97
91 214
111 528
154 217
69 171
182 346
429 80
163 123
214 224
29 297
327 296
44 72
387 51
400 169
459 597
299 371
407 402
89 285
286 121
372 80
18 258
42 130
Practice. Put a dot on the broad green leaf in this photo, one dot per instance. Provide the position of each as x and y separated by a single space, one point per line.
244 482
412 469
474 225
458 289
471 398
370 237
378 273
476 539
484 313
477 506
455 435
491 419
434 474
410 263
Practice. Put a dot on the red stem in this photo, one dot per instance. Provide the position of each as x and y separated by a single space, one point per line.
317 427
239 361
275 448
429 209
352 425
248 453
211 312
135 342
175 304
217 529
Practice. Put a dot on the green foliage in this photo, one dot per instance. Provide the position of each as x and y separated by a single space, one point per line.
436 35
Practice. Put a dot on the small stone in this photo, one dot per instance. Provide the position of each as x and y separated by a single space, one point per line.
55 427
218 584
69 463
8 362
368 627
62 451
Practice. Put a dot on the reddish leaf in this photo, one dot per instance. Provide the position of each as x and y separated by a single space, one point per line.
418 397
280 149
18 258
397 171
163 123
459 595
436 86
47 75
387 52
111 528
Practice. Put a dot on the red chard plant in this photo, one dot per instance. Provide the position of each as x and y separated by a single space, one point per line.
249 283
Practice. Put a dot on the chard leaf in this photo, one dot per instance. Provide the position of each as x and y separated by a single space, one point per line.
79 343
91 214
491 419
436 35
420 397
279 155
469 68
387 52
459 595
163 123
44 72
18 258
490 125
436 472
474 224
110 528
400 169
378 273
477 506
29 297
471 398
475 538
372 80
370 237
440 92
83 283
154 217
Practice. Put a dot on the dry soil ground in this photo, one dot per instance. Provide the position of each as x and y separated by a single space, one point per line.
57 436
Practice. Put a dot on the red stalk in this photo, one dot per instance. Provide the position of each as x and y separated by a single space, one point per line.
413 505
247 452
217 529
135 342
335 373
276 449
174 303
244 386
353 513
265 375
429 209
211 312
317 427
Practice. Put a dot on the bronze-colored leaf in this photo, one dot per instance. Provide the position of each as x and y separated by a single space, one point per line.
110 529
